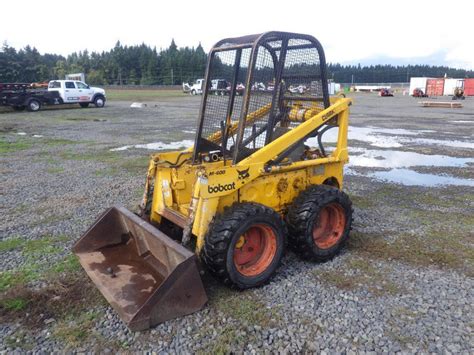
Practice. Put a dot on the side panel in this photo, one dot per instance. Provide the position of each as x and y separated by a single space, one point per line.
280 189
469 87
434 87
276 191
162 195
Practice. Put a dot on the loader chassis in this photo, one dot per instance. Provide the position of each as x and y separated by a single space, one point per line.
258 177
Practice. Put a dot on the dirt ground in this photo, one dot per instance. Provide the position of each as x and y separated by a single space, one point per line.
404 282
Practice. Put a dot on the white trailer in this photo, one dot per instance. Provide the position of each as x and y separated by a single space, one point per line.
418 83
76 76
451 84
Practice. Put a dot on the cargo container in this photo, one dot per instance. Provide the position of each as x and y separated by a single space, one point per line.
468 87
451 84
418 83
434 87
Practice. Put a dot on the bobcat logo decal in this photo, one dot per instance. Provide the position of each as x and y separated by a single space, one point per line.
244 174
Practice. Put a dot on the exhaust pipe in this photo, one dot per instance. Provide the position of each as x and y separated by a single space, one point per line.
145 275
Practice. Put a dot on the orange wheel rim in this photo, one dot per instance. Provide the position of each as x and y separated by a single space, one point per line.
329 226
255 250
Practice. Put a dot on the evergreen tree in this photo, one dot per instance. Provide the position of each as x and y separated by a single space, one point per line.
141 64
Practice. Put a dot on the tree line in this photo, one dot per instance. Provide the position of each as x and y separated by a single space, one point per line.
144 65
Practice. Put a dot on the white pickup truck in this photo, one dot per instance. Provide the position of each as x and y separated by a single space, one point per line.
78 92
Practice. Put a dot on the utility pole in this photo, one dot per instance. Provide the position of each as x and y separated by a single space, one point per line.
352 80
172 77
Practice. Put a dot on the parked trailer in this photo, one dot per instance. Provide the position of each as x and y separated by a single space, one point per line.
435 87
468 87
22 95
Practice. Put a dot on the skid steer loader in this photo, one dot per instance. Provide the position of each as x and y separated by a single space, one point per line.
259 176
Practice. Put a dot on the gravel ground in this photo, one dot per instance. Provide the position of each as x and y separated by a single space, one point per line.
403 284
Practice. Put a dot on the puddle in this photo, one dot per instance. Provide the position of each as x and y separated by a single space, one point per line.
413 178
399 159
398 162
38 135
461 121
21 133
189 131
451 143
390 138
158 145
375 136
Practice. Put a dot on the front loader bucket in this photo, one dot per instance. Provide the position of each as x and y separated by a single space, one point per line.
146 276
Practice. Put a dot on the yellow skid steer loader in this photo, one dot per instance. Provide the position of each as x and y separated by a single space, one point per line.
259 177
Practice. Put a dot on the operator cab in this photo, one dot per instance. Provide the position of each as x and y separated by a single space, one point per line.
248 117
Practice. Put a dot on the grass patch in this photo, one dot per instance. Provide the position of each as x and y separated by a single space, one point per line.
70 264
361 201
136 165
141 95
49 219
14 304
10 244
130 165
337 279
227 340
438 248
55 170
363 274
12 278
43 246
74 330
11 147
68 296
244 307
52 142
30 250
100 155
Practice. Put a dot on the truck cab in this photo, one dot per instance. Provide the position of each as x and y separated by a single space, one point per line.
72 91
196 89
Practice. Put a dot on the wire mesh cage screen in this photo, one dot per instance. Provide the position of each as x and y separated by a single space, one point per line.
251 84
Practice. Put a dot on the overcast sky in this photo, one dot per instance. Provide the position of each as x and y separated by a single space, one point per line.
390 31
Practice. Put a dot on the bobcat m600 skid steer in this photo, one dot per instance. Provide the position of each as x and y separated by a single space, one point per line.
258 178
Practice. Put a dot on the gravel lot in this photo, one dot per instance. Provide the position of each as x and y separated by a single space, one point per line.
404 282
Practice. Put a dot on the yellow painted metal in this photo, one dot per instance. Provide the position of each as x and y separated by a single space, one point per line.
200 191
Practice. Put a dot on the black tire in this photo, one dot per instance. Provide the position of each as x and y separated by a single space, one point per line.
19 108
84 104
193 92
99 101
219 251
33 105
309 236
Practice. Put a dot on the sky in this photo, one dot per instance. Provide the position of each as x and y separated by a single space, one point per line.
351 32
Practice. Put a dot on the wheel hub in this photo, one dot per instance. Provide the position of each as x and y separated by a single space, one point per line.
329 226
255 250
